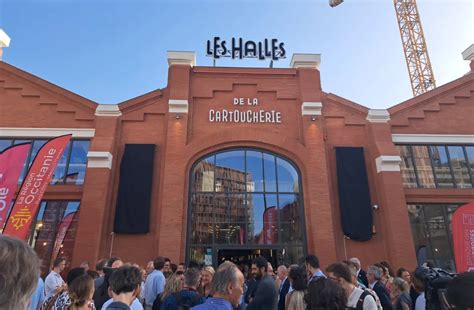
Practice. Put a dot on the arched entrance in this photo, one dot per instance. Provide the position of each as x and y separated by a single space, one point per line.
244 202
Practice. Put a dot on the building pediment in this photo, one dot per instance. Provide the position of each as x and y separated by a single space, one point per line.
24 93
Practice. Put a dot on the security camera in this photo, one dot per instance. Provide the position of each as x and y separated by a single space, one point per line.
376 207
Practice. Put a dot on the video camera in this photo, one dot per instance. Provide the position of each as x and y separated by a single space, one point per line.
436 282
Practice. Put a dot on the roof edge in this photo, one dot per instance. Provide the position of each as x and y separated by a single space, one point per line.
55 89
420 99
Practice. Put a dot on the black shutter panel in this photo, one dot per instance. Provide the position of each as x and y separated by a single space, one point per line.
354 194
132 213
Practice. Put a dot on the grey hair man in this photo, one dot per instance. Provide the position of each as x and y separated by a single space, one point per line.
361 274
19 267
374 274
227 287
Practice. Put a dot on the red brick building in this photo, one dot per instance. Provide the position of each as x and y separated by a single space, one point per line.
419 158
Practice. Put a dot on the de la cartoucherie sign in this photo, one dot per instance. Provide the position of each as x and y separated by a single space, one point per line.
240 48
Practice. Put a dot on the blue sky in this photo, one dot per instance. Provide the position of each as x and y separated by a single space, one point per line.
110 51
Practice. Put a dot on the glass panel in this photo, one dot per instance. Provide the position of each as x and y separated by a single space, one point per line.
420 234
78 162
287 177
54 231
230 233
291 255
291 232
435 221
270 172
459 165
263 224
197 254
37 144
230 172
289 208
203 208
60 172
407 167
23 172
423 166
203 175
432 230
470 157
441 166
254 171
201 223
4 144
201 232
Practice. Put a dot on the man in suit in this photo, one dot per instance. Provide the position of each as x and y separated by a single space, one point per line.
361 274
266 294
282 274
374 274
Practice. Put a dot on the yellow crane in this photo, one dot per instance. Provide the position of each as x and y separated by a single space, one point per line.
414 45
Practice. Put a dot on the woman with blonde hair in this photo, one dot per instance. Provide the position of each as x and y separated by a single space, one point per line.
207 273
173 285
400 295
81 292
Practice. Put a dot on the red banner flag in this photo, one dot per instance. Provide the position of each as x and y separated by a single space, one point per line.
269 225
463 237
33 187
11 164
62 230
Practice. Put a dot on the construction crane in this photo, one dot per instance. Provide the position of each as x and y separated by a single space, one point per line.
414 45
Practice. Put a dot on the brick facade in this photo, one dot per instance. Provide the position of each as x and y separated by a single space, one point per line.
29 102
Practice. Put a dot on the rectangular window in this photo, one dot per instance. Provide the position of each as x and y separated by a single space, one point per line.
407 167
470 159
444 178
53 232
459 167
76 168
432 233
423 166
437 166
72 166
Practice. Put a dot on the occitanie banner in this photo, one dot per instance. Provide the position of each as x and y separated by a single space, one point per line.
33 187
12 160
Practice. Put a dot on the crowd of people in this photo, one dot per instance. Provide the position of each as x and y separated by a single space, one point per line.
118 285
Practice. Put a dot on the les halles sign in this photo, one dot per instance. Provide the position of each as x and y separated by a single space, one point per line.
240 48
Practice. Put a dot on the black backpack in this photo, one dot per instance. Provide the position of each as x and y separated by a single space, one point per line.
186 302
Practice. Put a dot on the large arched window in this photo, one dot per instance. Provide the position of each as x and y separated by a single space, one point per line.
245 199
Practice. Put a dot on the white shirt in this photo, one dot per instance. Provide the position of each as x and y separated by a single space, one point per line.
371 286
369 302
136 305
52 282
420 303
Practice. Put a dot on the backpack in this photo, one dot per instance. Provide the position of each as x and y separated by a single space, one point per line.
360 302
186 302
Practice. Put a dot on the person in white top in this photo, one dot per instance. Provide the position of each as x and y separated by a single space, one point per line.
341 274
54 282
